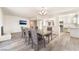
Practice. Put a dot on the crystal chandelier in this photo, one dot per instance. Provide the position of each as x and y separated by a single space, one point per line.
43 11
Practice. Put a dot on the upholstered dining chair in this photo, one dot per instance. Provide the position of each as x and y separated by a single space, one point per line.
26 35
23 32
35 40
50 29
30 38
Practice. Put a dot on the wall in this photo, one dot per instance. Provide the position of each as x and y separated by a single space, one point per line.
67 21
1 18
33 23
55 27
11 24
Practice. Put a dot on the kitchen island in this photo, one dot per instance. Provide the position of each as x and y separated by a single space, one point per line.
74 32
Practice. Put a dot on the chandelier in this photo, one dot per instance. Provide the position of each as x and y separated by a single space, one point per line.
43 11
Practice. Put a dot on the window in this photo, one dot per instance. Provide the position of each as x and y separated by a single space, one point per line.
75 19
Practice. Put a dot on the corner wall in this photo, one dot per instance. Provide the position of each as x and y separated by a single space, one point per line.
1 19
11 24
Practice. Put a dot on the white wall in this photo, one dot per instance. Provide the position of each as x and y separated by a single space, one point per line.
1 18
11 24
67 20
56 27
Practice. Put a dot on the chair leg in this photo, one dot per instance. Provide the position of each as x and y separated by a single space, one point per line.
32 44
44 43
25 39
37 47
29 41
48 39
51 36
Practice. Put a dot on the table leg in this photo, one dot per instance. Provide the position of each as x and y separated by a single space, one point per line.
48 39
51 36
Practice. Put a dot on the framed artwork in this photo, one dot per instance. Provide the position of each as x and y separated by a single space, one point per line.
23 22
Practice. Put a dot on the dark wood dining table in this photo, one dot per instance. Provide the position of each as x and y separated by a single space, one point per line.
46 34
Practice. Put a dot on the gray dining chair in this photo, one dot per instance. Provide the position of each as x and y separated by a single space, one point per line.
26 35
34 38
35 41
50 29
23 32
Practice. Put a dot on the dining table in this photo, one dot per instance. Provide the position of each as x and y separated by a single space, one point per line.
46 34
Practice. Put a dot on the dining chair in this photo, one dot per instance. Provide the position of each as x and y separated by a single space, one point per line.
30 38
23 32
50 29
26 35
35 40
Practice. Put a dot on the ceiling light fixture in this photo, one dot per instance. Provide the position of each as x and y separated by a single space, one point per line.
43 11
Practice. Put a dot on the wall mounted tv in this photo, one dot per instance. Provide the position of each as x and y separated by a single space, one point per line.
23 22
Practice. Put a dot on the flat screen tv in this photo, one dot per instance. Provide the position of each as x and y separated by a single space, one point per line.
22 22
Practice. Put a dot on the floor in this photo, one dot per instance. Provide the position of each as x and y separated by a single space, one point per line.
15 45
65 43
59 43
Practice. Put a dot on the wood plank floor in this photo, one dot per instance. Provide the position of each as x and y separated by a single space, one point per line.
15 45
64 43
59 43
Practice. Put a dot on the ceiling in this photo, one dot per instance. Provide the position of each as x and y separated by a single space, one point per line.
31 12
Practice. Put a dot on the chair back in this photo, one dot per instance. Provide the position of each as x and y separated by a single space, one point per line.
49 29
26 33
34 36
29 32
23 32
